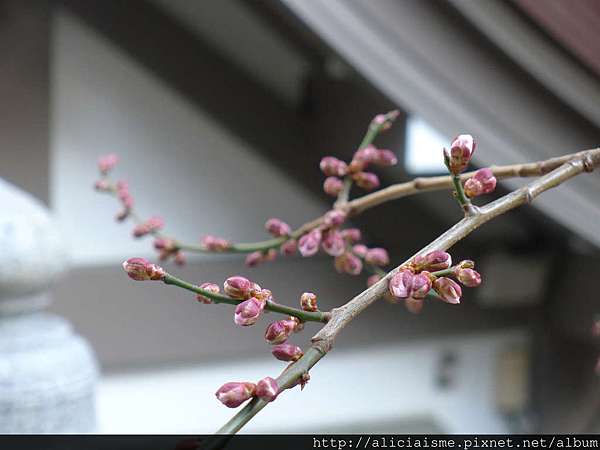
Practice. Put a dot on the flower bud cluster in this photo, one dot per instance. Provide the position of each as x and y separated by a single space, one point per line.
215 244
140 269
167 248
152 225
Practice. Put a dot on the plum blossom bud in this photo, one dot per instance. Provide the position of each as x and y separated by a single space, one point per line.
333 186
351 235
401 284
432 261
278 332
151 225
365 155
309 243
277 227
333 243
373 279
348 263
385 158
287 352
377 257
483 182
308 302
334 218
215 244
366 180
210 287
384 120
107 162
254 259
360 250
468 277
141 269
448 290
165 244
180 258
234 394
289 247
102 185
414 305
248 312
461 152
421 285
267 389
333 167
237 287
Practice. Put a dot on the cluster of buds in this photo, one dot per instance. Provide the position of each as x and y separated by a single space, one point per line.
482 182
215 244
414 281
233 394
254 299
278 229
126 199
461 151
152 225
140 269
167 248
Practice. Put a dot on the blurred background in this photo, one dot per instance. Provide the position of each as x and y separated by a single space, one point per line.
221 111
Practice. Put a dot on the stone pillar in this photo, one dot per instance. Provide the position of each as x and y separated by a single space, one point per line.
47 373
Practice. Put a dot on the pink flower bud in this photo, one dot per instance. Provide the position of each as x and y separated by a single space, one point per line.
277 227
267 389
289 247
165 244
334 218
287 352
309 243
308 301
385 158
373 279
234 394
331 166
333 186
414 305
215 244
278 332
122 215
432 261
377 257
366 155
122 185
237 287
360 250
401 284
333 243
384 120
107 162
141 269
102 185
351 235
448 290
468 277
421 285
483 182
248 312
366 180
254 259
211 287
461 152
180 258
348 263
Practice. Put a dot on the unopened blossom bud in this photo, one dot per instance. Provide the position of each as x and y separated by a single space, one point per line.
348 263
122 215
334 218
385 158
180 258
461 152
466 264
373 279
267 389
333 186
366 180
366 155
210 287
384 120
237 287
448 289
483 182
141 269
248 312
289 247
164 244
287 352
254 259
421 285
377 257
468 277
333 167
309 243
351 235
149 226
333 243
102 185
401 284
414 305
308 302
234 394
264 295
215 244
277 227
107 162
360 250
278 332
432 261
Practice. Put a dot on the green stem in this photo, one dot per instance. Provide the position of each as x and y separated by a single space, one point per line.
461 197
305 316
247 247
443 273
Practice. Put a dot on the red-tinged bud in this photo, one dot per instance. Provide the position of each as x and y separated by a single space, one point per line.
215 244
277 227
468 277
366 155
333 186
449 290
333 243
278 332
234 394
384 121
377 257
165 244
309 243
373 279
254 259
248 312
432 261
348 263
210 287
288 248
421 285
237 287
401 284
414 305
366 180
102 185
267 389
122 215
287 352
333 167
334 218
360 250
351 235
141 269
385 158
308 302
180 258
483 182
107 162
461 152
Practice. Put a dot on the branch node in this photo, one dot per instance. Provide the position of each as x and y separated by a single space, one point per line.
588 163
